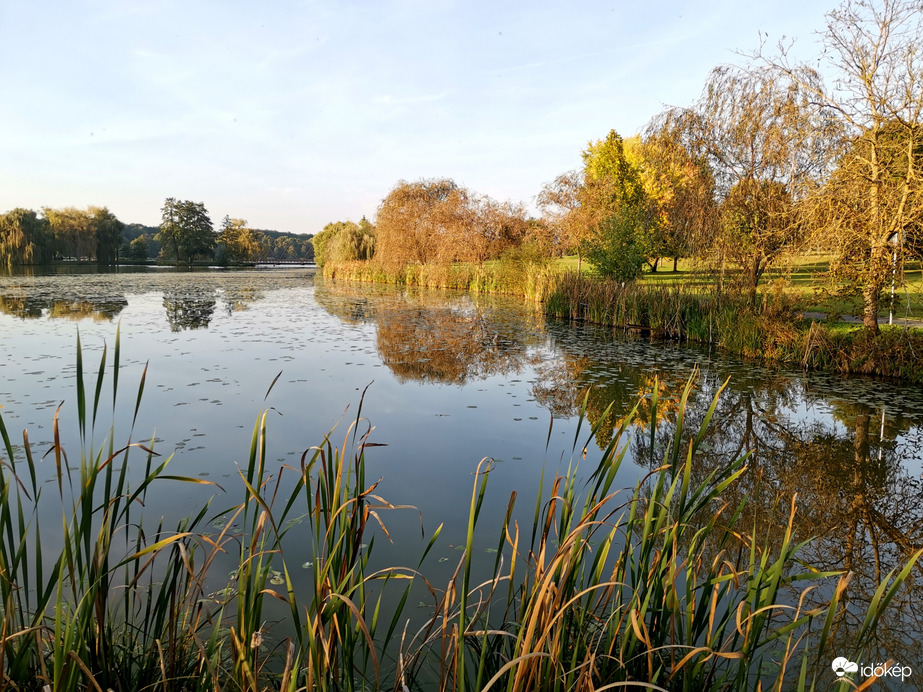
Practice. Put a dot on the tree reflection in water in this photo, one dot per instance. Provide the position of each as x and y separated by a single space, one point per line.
36 306
190 308
846 468
239 297
853 492
449 341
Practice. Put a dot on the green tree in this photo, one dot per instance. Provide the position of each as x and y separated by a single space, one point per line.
344 241
614 248
186 231
108 232
623 223
139 248
25 238
74 232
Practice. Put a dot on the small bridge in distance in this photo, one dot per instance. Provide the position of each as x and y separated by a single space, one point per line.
310 264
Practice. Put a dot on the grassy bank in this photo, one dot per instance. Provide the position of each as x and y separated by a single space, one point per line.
661 584
770 330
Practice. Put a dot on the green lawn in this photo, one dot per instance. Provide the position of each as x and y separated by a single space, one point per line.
804 280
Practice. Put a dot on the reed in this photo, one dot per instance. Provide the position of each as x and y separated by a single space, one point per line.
512 274
770 331
120 603
659 586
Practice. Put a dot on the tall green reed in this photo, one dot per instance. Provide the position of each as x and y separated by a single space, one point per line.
118 595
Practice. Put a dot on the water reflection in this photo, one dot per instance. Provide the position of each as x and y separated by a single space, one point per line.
239 297
423 339
27 306
189 310
857 482
188 299
849 474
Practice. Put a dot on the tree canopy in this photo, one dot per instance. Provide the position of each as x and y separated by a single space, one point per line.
435 220
874 199
186 231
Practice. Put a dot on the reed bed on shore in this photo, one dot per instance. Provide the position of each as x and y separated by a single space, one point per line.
511 275
770 330
660 586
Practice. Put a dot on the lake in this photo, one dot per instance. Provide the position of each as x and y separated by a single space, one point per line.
447 379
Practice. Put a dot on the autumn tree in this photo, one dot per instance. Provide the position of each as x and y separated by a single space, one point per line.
761 136
419 222
873 51
680 190
436 220
569 221
238 243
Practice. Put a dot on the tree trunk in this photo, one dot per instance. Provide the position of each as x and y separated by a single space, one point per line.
870 297
871 293
754 279
675 261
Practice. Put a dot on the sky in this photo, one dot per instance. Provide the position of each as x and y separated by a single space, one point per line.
292 114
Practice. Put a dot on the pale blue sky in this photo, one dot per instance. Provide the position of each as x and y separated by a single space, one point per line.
293 114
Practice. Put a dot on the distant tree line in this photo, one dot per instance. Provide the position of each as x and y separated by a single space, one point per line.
28 237
186 234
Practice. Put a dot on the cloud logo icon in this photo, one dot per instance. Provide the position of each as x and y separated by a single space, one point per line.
842 665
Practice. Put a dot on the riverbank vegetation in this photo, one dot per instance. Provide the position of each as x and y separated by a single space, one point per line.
666 584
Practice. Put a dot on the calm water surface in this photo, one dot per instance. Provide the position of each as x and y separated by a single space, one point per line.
450 379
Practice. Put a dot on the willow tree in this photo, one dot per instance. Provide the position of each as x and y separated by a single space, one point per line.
417 221
438 221
569 220
759 133
238 242
25 238
107 230
875 198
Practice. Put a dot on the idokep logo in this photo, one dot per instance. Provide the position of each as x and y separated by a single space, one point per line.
843 666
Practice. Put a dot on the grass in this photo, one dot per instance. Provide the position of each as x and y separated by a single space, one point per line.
803 277
660 586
